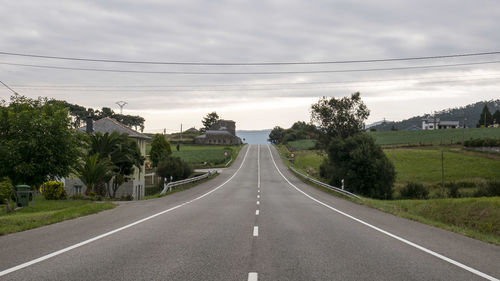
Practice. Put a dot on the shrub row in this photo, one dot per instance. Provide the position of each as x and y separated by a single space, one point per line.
486 142
452 190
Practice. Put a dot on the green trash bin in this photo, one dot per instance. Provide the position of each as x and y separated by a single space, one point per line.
23 195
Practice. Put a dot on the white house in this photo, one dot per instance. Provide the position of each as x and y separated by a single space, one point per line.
431 123
136 185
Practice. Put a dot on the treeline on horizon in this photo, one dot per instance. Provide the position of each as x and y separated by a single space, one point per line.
79 116
470 113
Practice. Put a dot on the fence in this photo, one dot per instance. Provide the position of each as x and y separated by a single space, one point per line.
336 189
174 184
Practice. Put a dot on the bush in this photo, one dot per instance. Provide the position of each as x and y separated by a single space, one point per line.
173 167
6 191
453 191
362 164
491 188
94 196
53 190
414 191
485 142
127 197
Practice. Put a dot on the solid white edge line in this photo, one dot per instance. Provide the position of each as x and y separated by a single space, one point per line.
255 231
56 253
463 266
257 212
253 276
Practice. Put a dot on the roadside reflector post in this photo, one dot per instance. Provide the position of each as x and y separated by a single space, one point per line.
342 184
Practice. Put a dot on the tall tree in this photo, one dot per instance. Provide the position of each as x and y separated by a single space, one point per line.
209 120
362 165
160 148
342 117
37 142
276 135
485 119
496 117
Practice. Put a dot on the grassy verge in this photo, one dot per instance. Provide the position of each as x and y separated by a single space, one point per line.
184 187
478 218
43 212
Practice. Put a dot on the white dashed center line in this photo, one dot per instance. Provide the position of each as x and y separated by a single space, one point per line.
258 202
258 196
252 276
255 231
257 212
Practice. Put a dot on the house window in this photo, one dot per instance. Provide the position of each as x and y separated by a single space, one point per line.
78 189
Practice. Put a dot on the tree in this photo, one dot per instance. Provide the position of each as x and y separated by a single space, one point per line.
342 117
125 158
94 170
37 142
160 148
276 135
362 164
174 167
123 153
209 120
485 119
496 117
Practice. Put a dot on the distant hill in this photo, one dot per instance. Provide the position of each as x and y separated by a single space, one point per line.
471 112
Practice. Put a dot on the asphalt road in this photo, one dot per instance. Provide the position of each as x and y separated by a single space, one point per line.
255 221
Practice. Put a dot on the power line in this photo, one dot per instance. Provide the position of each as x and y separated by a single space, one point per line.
240 89
249 63
251 73
8 87
66 87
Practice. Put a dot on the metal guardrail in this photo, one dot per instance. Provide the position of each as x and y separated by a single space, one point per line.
171 185
229 162
339 190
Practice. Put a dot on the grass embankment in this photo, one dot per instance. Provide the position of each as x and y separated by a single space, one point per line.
474 217
43 212
432 137
184 187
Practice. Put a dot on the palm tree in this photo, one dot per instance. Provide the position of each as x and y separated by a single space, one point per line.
94 171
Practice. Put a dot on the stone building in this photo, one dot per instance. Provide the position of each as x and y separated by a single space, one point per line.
223 132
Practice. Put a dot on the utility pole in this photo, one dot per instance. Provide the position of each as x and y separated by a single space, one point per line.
181 132
121 104
442 170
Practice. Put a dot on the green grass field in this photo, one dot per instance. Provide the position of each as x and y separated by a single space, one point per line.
43 212
301 145
213 155
435 137
424 165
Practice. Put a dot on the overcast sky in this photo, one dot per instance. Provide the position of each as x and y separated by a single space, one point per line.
251 31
